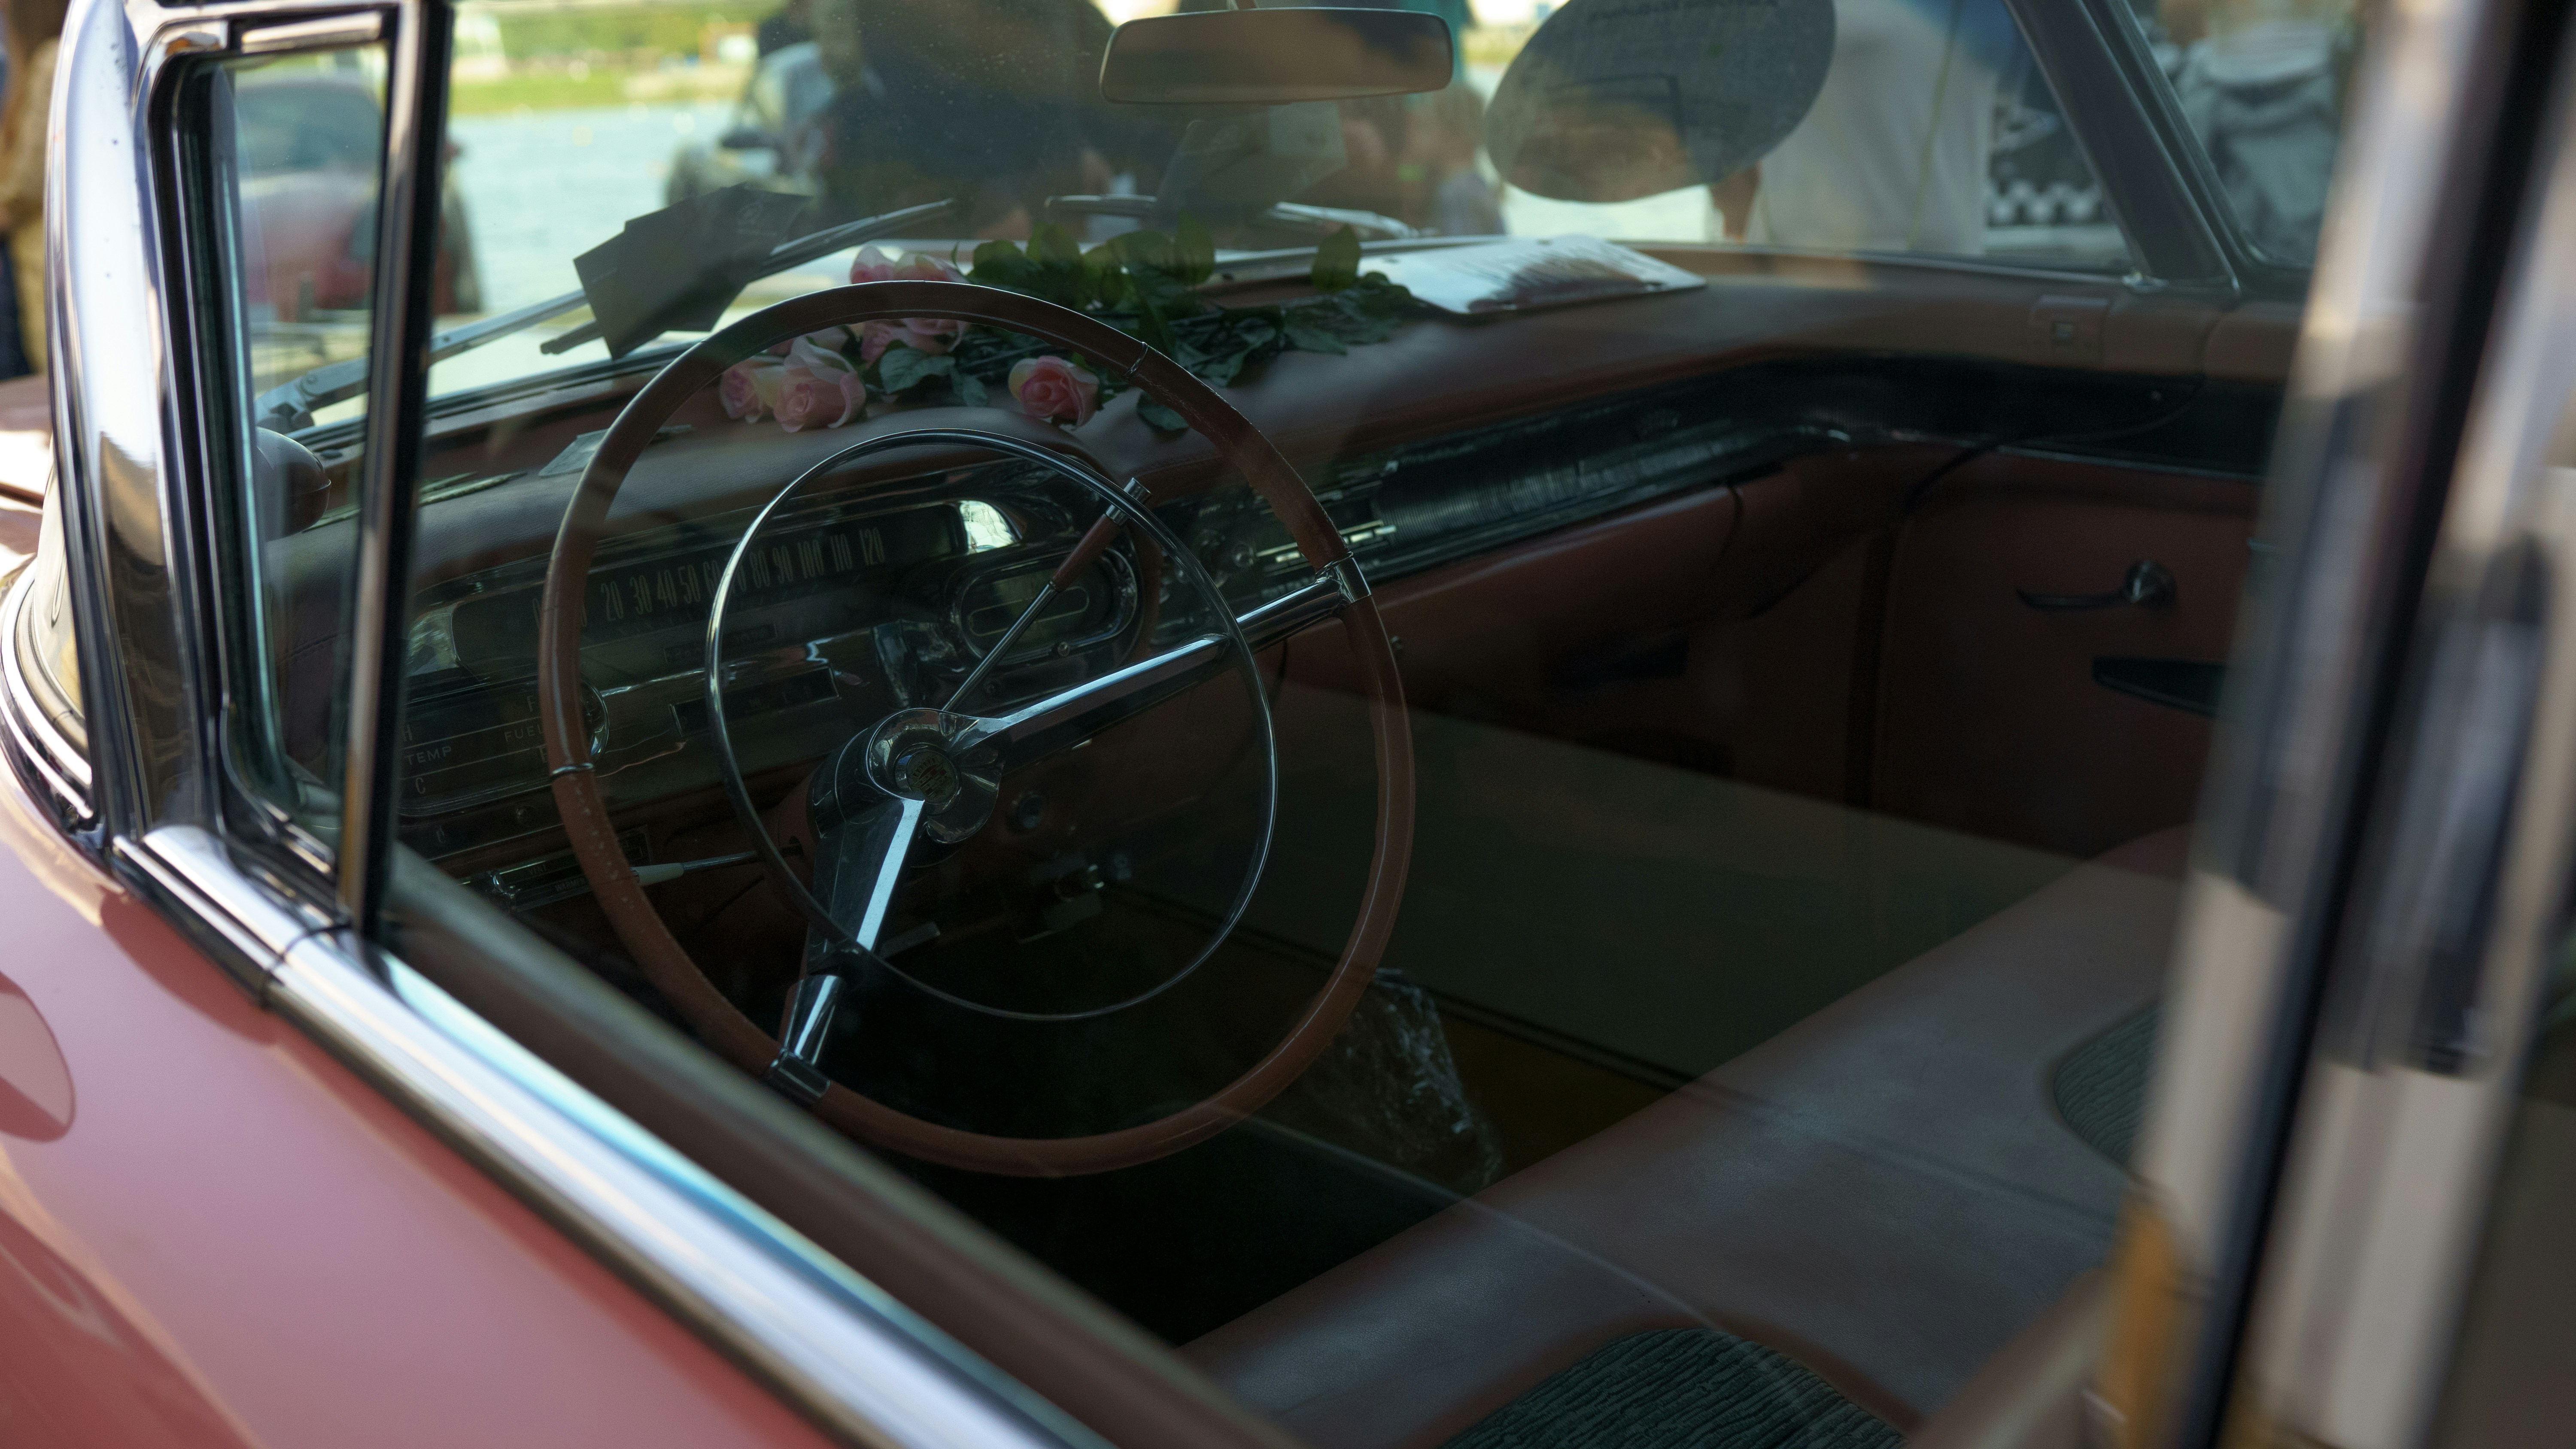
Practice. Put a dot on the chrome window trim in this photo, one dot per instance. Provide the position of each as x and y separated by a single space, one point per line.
2188 154
387 474
834 1345
2149 190
50 757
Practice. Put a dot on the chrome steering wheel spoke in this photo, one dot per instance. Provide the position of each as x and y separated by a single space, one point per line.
859 860
935 774
1068 717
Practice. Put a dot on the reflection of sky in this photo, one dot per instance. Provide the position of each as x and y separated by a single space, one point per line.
541 187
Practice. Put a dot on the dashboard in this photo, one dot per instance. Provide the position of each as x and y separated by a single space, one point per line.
882 594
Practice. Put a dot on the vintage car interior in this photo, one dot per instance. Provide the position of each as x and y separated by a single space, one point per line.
1679 912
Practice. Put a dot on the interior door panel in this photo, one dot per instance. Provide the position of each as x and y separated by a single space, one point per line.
1802 632
2004 719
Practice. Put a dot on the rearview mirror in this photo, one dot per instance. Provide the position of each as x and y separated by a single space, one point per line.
1276 57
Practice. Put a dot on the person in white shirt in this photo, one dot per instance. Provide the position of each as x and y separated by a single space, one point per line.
1893 155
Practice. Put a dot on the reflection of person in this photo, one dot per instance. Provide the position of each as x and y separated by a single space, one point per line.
34 28
788 25
2262 84
995 101
1409 157
1443 132
1893 155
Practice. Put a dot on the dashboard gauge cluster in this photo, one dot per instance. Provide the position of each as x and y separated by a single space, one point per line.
839 613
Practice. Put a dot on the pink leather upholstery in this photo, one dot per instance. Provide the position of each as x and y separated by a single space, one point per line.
1882 1191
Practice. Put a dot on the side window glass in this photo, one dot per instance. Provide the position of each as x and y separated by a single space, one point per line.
2263 84
292 147
1933 132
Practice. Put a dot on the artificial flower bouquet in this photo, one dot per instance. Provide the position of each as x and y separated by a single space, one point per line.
1143 283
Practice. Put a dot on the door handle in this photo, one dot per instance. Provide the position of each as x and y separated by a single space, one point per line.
2147 585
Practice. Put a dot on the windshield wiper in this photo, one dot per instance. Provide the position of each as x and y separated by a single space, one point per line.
291 405
786 256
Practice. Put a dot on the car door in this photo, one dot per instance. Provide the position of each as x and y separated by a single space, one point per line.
1858 1200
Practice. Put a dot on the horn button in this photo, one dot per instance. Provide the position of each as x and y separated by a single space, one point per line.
926 755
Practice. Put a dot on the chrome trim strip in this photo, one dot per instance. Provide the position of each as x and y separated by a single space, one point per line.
858 1361
332 31
187 872
197 857
52 758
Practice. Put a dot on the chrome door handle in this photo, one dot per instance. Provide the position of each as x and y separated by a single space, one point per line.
2148 585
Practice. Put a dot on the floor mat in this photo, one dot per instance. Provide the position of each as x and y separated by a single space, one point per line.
1682 1388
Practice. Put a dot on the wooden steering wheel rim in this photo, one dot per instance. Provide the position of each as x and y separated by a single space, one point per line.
721 1024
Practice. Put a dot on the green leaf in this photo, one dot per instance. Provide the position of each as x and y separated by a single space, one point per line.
1307 337
1337 261
1145 250
1107 272
1152 326
1196 261
1158 416
903 367
1000 264
1050 242
1221 370
970 389
1167 293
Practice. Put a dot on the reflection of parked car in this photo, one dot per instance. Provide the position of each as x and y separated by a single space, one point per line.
311 143
771 142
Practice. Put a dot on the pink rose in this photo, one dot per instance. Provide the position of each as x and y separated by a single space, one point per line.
873 265
817 388
830 338
921 267
1050 388
748 389
933 335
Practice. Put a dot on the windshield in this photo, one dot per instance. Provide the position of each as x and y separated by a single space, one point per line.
571 125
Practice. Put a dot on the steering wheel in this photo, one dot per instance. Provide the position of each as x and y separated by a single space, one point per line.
919 765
